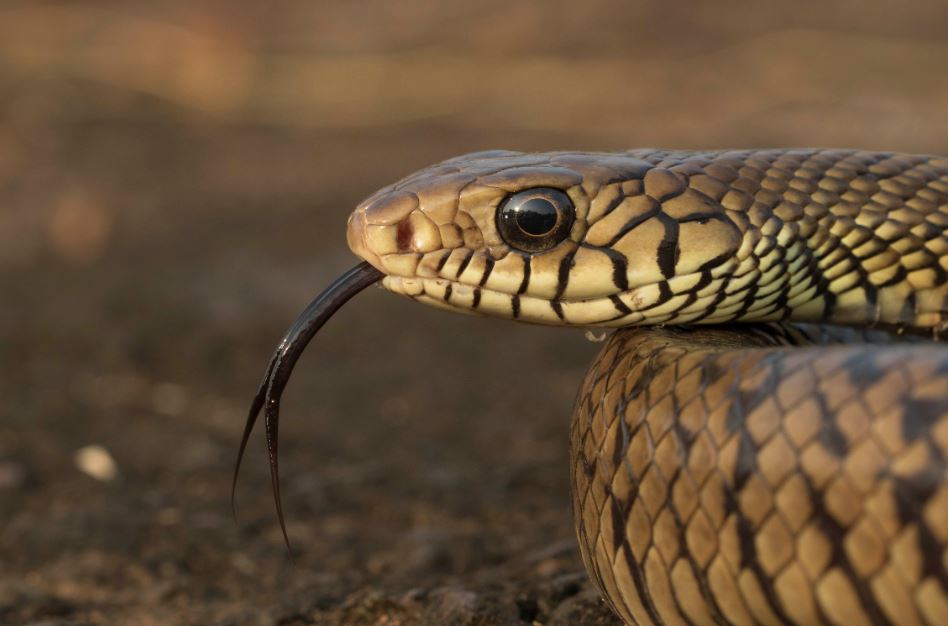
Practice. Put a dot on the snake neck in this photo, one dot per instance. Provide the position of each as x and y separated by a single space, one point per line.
844 237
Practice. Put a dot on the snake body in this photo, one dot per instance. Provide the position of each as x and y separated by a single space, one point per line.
770 473
764 476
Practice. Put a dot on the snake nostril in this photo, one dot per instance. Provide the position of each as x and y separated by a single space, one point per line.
404 235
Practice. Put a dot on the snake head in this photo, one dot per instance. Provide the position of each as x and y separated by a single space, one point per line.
560 238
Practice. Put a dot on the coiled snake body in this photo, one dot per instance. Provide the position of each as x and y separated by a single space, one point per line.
780 472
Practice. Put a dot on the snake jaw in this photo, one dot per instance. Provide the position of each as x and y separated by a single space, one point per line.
280 368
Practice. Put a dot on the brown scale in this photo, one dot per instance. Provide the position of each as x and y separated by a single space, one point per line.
721 477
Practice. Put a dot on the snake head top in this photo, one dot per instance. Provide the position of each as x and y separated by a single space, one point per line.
561 238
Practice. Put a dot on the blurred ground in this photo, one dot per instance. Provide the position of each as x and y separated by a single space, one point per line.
174 184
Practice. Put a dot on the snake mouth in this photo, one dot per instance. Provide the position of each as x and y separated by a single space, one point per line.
278 371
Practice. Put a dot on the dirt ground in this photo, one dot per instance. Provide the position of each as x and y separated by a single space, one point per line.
174 184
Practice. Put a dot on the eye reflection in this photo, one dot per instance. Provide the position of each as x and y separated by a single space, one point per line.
537 217
535 220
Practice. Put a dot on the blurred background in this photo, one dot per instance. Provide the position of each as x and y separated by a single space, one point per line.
174 183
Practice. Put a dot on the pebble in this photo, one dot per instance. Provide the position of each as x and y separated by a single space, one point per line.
95 461
597 335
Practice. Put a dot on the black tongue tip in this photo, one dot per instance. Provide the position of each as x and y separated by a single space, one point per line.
281 365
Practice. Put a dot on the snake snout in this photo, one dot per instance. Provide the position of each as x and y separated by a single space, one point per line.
391 231
355 237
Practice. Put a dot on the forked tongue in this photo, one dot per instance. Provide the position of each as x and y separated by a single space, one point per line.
281 367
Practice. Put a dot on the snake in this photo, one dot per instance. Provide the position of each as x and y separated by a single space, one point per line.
763 438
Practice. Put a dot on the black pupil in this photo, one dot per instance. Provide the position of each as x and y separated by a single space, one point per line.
536 216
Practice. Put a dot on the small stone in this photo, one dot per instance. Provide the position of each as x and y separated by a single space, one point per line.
95 461
596 335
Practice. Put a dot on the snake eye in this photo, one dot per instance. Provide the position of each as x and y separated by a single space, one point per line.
535 220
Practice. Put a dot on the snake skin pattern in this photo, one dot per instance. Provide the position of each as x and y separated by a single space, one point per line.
720 477
675 237
755 474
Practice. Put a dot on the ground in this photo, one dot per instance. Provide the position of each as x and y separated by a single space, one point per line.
174 185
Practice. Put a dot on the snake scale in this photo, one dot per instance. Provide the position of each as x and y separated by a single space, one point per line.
764 439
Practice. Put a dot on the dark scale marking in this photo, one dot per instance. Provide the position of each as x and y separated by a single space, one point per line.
442 261
745 536
836 535
562 276
488 268
614 204
526 275
681 527
705 217
557 307
620 443
711 372
871 293
620 306
717 615
649 370
911 495
621 546
477 298
832 438
909 307
781 303
822 285
913 492
941 275
585 538
706 277
620 265
619 521
921 415
712 306
447 293
638 578
688 301
749 299
863 281
744 402
898 277
668 252
632 223
745 465
515 305
403 235
935 451
863 372
464 263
